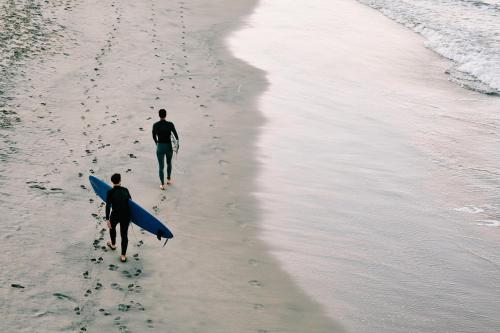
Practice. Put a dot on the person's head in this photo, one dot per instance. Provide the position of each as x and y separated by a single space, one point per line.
116 179
162 113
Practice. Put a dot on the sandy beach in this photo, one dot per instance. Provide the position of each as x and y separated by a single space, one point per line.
333 174
87 107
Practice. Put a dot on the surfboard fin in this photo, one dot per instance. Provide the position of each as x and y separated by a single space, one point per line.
159 234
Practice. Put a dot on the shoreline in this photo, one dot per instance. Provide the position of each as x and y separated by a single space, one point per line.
396 174
216 275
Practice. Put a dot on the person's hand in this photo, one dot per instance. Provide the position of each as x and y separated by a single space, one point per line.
108 223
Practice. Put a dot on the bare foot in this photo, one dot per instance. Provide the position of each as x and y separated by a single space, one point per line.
123 258
169 182
162 187
111 246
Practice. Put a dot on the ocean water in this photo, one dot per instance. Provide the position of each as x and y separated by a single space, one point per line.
465 31
378 177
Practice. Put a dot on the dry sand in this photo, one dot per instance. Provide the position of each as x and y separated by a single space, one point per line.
89 108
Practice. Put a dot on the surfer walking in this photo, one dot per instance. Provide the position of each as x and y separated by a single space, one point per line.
162 133
117 204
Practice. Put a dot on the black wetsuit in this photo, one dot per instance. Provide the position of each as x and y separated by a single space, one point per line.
117 202
162 132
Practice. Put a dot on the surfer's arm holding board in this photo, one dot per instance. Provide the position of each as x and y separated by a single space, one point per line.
175 133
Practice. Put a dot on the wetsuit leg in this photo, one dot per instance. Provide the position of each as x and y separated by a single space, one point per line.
160 154
112 232
169 154
124 236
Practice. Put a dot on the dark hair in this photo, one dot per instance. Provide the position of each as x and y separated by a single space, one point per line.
162 113
116 178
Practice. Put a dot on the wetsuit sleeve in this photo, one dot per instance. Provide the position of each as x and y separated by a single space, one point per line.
155 134
175 132
108 204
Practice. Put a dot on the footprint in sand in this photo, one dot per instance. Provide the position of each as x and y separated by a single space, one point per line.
258 306
255 283
149 323
123 307
127 274
39 187
104 312
113 267
123 329
86 275
230 205
98 286
88 292
136 306
17 286
117 320
116 286
253 262
62 296
140 243
134 287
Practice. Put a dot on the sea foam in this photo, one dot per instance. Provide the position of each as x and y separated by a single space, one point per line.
464 31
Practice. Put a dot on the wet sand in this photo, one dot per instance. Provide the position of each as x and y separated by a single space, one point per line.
378 175
87 108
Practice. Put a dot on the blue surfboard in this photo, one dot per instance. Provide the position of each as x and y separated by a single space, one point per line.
139 215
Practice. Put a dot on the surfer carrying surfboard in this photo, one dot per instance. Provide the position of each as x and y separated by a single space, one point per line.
117 203
162 133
